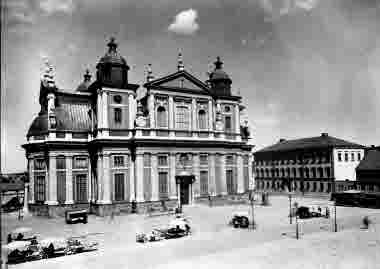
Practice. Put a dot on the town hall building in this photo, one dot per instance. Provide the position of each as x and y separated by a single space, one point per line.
99 147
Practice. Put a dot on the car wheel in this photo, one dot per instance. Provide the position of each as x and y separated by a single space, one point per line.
236 223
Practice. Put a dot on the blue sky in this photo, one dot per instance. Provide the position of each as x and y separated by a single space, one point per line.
302 66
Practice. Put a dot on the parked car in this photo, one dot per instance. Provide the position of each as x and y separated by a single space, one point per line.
13 204
76 215
240 219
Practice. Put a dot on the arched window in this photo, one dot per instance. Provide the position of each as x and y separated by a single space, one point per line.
202 119
294 172
320 172
162 121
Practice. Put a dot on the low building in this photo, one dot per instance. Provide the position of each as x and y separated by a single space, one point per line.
321 164
368 171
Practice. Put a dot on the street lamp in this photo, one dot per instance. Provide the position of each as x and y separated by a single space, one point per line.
335 224
252 200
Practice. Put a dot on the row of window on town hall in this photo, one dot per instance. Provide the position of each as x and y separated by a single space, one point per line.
340 159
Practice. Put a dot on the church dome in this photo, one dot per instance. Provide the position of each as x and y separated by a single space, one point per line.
219 73
83 87
112 56
39 125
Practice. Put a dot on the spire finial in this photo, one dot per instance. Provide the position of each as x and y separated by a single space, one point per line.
48 75
180 62
87 75
218 63
112 45
149 76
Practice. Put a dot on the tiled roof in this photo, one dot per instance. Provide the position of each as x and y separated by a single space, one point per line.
371 161
322 141
70 114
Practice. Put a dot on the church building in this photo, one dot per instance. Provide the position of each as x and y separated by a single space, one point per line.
101 148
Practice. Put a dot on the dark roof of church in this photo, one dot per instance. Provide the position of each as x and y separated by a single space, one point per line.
322 141
371 161
72 114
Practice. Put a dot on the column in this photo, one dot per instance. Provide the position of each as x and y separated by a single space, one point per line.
105 112
132 178
223 182
196 172
210 119
212 183
89 181
131 111
152 114
250 174
99 109
240 174
26 199
99 177
172 171
69 180
106 182
154 177
171 116
194 117
31 180
139 177
237 122
52 186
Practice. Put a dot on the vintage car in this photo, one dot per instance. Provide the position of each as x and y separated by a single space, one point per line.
305 212
54 247
76 215
75 246
177 228
240 219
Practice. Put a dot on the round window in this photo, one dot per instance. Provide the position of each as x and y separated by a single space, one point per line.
117 99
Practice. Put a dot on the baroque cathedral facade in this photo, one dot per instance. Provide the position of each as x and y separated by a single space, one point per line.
101 148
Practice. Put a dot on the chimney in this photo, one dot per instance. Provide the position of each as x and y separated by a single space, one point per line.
324 134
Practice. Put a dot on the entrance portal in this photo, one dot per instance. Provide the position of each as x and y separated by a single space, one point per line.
184 188
184 193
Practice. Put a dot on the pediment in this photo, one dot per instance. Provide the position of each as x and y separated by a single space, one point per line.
182 81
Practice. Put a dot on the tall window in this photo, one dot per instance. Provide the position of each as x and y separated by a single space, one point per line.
39 180
120 176
202 120
61 179
182 118
346 157
228 123
80 171
117 114
204 182
162 120
119 186
313 172
359 156
320 172
81 188
352 156
163 176
230 178
328 173
339 156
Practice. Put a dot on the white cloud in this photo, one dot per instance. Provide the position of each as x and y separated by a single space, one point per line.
53 6
306 4
19 13
185 22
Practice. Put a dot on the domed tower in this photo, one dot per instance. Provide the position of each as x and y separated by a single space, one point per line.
112 69
83 87
219 80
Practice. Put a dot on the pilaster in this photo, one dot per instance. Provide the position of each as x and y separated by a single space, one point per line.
240 174
194 117
212 183
99 110
196 172
105 112
132 179
172 169
154 177
106 198
237 122
250 174
152 114
99 176
210 119
69 180
223 181
52 186
171 116
31 179
131 111
139 177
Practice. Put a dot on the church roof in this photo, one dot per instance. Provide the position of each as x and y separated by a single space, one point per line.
371 161
323 141
112 56
72 114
